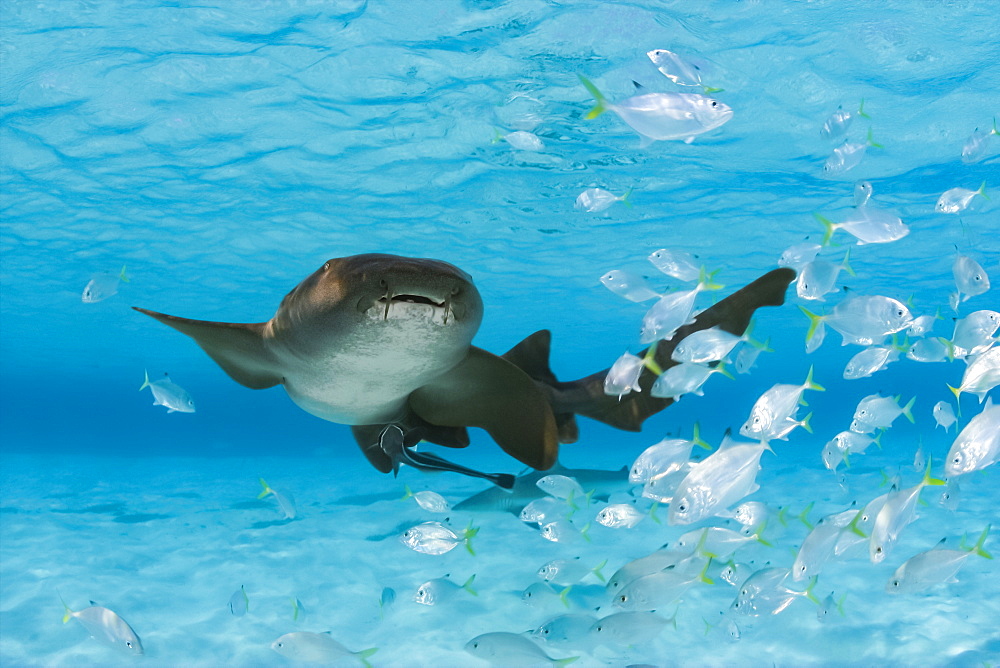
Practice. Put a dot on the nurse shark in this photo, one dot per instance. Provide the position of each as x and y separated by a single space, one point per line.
376 340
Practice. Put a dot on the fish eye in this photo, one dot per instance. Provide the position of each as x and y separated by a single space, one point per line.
280 644
802 568
714 103
878 550
623 598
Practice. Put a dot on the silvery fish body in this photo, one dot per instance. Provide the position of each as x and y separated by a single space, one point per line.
667 315
717 482
866 320
678 264
107 627
799 255
629 285
970 277
666 116
623 376
974 333
977 445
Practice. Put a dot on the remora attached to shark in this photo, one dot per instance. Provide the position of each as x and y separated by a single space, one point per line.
375 340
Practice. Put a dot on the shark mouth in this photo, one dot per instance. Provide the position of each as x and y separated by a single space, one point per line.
440 308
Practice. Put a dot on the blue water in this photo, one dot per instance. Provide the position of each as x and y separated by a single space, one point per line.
224 152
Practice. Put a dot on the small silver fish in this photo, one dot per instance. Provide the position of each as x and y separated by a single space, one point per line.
102 286
595 200
561 487
717 482
928 350
168 394
566 572
974 333
625 629
970 277
544 510
623 376
863 319
509 649
440 590
675 68
956 200
982 374
564 531
239 602
934 567
570 631
878 412
847 156
977 445
286 503
977 145
311 647
819 277
746 359
868 225
665 457
629 285
620 516
435 538
524 141
871 360
685 378
106 626
430 501
799 255
839 122
669 313
664 116
678 264
898 512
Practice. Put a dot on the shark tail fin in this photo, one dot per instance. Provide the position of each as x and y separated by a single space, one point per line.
586 396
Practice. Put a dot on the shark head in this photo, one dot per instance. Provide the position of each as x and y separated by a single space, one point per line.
386 301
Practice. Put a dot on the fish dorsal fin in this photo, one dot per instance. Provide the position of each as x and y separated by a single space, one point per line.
236 347
486 391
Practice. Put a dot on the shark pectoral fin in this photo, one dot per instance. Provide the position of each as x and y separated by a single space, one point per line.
236 347
486 391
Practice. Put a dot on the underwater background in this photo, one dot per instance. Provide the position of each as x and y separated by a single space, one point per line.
222 152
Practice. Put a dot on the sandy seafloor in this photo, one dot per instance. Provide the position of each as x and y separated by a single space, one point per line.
166 541
223 151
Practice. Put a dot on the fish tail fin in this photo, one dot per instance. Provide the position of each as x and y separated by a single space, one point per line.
649 359
706 279
957 391
878 439
766 346
750 341
982 191
804 515
758 535
571 502
698 440
628 193
467 536
928 480
602 102
68 613
564 595
721 368
846 265
123 276
908 410
809 591
840 604
145 382
805 423
364 654
847 459
814 322
407 492
810 384
468 585
596 570
828 228
871 140
861 110
585 532
497 136
267 489
853 526
978 547
994 131
703 577
708 91
652 512
565 662
783 516
585 396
